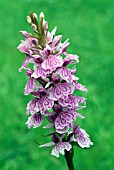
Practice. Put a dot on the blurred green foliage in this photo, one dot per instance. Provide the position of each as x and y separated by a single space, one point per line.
90 26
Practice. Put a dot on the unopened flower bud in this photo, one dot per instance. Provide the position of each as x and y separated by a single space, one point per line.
34 27
45 26
41 16
29 19
35 16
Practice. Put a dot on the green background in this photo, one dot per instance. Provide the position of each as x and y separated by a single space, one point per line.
89 24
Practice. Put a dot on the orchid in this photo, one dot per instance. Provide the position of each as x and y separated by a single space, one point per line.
59 146
52 83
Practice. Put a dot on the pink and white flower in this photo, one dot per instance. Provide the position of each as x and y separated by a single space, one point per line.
65 119
40 72
52 63
41 103
61 90
66 74
59 146
73 102
35 120
81 137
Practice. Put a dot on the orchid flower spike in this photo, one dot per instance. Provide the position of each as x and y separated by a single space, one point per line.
53 84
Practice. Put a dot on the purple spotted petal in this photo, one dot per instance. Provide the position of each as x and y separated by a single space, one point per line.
66 89
32 106
27 60
64 119
63 102
60 148
83 139
23 48
71 57
84 142
55 93
45 104
62 90
79 86
72 101
48 103
26 46
39 72
29 86
35 120
67 74
52 63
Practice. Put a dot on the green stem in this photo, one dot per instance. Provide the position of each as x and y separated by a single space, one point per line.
69 160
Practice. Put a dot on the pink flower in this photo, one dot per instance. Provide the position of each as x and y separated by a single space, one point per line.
40 72
66 74
35 120
59 146
52 63
41 103
81 137
61 90
73 102
65 119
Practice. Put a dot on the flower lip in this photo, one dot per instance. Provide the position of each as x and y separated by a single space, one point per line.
55 138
